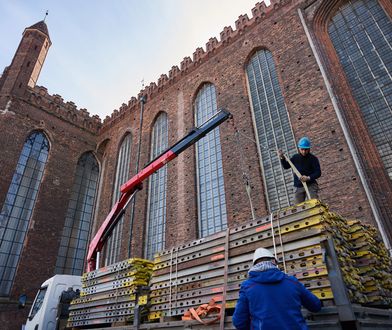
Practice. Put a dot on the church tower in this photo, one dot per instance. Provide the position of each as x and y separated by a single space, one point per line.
27 62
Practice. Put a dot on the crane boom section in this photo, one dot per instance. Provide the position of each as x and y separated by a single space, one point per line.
131 186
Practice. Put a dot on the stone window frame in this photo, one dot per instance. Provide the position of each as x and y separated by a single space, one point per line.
379 183
75 238
214 218
112 248
283 192
22 186
157 189
356 72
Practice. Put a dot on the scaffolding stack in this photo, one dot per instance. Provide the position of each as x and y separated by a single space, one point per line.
373 263
342 262
110 294
214 267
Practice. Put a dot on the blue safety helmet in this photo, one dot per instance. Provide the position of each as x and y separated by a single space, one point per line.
304 143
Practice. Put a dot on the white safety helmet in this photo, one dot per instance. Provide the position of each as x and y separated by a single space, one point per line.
262 253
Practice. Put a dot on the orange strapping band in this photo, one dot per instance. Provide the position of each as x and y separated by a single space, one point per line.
203 311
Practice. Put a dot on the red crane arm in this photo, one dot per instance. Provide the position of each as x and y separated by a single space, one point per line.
129 188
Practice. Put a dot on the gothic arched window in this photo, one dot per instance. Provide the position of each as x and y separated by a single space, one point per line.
210 183
113 244
272 126
361 33
76 231
19 204
157 191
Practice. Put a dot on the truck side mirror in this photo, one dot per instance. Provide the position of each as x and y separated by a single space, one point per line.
22 301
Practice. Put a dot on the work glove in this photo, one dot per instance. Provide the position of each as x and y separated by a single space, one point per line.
305 178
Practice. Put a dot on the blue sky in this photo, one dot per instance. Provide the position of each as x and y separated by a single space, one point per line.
102 50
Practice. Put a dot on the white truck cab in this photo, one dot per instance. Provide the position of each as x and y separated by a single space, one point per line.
43 312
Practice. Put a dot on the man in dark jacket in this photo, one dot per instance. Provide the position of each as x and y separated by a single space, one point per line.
308 165
270 299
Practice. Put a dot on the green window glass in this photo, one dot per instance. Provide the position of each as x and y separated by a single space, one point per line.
19 204
361 32
76 231
210 182
157 191
272 126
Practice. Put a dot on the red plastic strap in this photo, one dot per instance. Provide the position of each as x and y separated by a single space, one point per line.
202 311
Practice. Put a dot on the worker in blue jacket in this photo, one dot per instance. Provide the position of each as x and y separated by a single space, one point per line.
308 165
270 299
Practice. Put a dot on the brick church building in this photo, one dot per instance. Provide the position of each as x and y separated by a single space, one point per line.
320 68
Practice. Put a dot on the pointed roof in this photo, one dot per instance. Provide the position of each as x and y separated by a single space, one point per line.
40 26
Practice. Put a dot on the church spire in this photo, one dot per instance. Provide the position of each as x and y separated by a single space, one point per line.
40 26
28 60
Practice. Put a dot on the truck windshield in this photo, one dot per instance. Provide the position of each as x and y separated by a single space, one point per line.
39 299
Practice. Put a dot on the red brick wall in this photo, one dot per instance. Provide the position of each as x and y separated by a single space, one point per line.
310 110
67 144
72 132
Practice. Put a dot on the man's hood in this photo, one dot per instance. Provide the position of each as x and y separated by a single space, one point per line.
267 276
